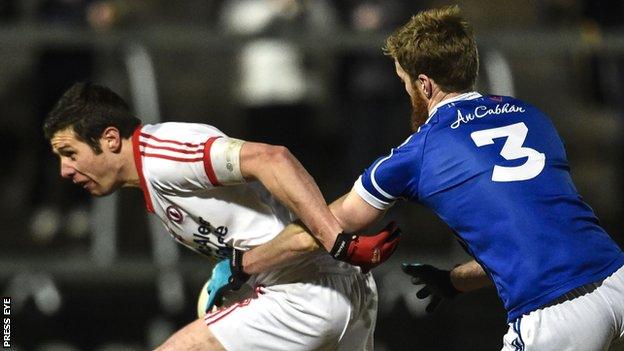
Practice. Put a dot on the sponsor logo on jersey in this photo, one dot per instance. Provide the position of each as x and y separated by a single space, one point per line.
174 214
209 240
484 111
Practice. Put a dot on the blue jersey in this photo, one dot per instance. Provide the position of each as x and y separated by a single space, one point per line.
495 170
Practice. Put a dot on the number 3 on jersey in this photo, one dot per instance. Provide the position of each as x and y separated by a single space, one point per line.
512 150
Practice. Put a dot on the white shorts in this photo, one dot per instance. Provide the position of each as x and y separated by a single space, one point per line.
589 318
329 312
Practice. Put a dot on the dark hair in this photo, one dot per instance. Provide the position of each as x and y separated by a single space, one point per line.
440 44
89 109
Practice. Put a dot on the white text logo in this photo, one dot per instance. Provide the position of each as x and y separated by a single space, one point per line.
484 111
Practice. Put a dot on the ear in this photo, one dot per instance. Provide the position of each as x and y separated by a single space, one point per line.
425 84
111 139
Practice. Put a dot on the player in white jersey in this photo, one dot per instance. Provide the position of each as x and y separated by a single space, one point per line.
194 178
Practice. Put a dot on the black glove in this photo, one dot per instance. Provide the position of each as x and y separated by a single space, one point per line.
437 283
238 277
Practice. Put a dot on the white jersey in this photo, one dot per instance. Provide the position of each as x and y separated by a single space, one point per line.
328 304
179 166
182 167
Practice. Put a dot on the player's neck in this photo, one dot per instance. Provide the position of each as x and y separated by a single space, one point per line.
128 173
439 96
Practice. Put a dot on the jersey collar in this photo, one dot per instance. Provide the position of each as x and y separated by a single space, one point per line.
138 162
465 96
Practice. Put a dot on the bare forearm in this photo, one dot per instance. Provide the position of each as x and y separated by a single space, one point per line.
353 214
469 276
291 243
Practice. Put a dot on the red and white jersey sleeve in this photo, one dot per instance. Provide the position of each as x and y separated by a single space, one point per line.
190 176
186 157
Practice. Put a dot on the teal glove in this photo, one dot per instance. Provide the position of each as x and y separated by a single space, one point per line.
219 279
227 275
437 283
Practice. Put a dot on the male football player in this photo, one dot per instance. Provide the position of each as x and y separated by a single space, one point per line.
200 183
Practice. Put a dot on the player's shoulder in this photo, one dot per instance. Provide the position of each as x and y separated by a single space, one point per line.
413 141
174 151
180 131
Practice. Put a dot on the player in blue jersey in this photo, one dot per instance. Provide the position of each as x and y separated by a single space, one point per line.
495 170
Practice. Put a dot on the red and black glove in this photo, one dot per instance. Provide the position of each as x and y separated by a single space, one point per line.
367 251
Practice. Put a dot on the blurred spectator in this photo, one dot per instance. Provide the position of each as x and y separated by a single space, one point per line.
275 87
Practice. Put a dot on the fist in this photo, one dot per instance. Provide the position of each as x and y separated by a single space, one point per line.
367 251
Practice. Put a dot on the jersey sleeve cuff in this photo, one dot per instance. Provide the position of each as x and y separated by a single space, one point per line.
222 161
370 198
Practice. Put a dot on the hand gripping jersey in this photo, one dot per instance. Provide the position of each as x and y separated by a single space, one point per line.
495 170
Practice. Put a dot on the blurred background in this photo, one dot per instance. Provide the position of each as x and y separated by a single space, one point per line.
99 274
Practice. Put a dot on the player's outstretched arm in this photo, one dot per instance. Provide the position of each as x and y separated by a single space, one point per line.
353 213
366 251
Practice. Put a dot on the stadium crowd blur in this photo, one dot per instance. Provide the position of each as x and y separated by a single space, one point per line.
308 74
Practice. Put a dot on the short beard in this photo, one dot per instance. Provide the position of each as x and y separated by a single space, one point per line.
420 112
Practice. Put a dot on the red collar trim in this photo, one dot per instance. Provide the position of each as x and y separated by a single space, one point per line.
138 162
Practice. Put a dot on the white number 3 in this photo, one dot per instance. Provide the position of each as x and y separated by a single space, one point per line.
512 150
